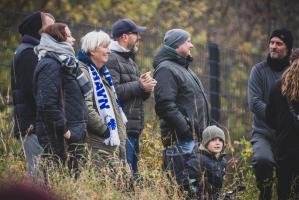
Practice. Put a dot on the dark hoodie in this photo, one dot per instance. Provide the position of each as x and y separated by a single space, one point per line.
180 100
24 63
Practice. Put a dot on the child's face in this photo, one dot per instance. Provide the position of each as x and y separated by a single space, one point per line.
215 145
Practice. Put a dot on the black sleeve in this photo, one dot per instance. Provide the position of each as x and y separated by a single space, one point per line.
126 90
166 92
146 95
193 167
49 97
271 107
24 72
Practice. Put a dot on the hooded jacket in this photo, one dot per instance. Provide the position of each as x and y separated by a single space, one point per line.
180 100
125 74
24 63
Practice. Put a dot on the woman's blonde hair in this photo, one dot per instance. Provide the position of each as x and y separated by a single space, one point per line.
290 78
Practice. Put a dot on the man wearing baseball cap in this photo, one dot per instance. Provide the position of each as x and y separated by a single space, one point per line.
262 78
131 87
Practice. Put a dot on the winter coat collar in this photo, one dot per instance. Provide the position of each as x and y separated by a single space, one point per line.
117 48
168 53
278 64
29 39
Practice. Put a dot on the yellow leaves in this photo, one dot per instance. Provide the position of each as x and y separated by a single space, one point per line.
201 37
148 125
76 16
247 47
66 5
246 148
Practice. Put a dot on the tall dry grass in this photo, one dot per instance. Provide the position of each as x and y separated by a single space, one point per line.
108 183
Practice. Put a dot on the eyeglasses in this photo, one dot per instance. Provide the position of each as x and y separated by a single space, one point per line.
134 33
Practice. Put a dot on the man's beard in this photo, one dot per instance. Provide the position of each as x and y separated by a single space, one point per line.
133 47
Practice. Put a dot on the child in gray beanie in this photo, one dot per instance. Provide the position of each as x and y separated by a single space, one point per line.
206 168
213 140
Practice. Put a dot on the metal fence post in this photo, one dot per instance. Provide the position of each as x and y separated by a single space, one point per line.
214 81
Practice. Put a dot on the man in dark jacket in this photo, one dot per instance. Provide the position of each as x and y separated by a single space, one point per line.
131 87
180 100
24 63
262 78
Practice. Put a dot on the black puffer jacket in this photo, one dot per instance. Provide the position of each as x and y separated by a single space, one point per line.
125 75
208 171
60 102
180 100
22 70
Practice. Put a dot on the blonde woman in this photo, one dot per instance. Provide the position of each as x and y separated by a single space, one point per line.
106 119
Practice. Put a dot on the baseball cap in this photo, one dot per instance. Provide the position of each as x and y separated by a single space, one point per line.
122 26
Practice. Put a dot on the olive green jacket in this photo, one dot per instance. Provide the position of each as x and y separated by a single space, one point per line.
96 126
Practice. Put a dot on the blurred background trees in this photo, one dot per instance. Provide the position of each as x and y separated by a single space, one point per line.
235 24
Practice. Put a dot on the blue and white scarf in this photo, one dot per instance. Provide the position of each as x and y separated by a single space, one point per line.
102 99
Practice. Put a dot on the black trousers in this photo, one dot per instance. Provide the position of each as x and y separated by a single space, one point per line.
263 164
288 178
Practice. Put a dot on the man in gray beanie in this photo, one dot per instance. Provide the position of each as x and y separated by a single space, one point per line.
180 100
175 37
262 78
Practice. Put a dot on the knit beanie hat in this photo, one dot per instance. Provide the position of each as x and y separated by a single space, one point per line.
31 25
175 37
285 35
210 133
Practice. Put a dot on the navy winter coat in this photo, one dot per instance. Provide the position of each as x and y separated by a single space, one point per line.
60 103
21 82
207 169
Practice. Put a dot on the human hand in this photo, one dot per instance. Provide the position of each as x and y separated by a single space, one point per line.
30 129
146 76
113 140
67 135
148 84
